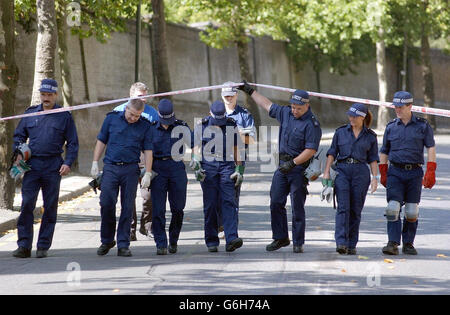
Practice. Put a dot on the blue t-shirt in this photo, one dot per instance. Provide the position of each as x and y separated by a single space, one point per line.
345 145
47 135
296 134
405 143
124 141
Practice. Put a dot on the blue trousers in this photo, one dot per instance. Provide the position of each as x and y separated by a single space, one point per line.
125 178
34 180
283 185
171 182
351 187
218 187
404 186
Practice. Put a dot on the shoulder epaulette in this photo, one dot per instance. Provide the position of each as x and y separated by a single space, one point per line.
180 122
231 120
343 126
421 119
113 112
372 132
315 121
31 108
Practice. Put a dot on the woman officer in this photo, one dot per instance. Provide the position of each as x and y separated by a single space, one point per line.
352 147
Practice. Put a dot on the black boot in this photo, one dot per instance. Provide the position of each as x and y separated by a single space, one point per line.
391 248
22 252
277 244
104 248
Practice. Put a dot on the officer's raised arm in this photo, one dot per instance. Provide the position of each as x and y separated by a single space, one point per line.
259 99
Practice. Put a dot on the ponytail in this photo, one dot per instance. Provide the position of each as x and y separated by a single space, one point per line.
368 119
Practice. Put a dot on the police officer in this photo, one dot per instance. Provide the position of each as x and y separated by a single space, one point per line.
47 135
124 135
403 144
139 89
171 180
246 127
216 152
299 139
354 145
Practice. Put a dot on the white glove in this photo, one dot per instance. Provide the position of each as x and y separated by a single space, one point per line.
146 180
326 193
94 169
237 178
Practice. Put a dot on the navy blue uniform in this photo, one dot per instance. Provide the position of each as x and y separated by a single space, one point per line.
353 179
295 136
124 143
47 135
244 121
171 181
404 144
218 163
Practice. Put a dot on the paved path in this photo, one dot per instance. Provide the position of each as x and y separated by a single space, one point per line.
74 268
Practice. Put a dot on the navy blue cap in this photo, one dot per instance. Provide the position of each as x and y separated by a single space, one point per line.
402 98
49 86
300 97
165 112
218 114
357 109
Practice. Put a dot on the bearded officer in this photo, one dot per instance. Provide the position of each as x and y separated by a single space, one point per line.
47 135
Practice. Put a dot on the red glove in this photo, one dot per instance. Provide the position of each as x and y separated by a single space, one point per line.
383 172
430 178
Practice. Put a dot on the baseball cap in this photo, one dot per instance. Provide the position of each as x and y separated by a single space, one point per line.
229 91
165 112
402 98
357 109
48 86
218 115
300 97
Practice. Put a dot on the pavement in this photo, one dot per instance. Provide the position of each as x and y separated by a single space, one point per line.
74 268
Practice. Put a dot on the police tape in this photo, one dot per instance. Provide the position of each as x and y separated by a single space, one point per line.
419 109
120 100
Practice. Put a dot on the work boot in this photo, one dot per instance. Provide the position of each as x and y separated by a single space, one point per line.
213 249
391 248
104 248
234 244
161 251
22 252
41 253
342 249
173 248
124 252
298 249
409 249
277 244
351 251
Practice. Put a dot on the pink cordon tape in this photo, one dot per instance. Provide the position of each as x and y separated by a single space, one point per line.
97 104
419 109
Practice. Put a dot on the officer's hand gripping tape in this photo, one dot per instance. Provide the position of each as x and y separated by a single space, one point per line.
96 182
17 170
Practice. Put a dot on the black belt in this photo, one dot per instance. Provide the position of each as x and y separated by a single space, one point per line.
407 167
123 163
286 157
162 158
349 161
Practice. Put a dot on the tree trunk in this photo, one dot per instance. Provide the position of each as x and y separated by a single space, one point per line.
8 82
246 74
66 77
383 112
46 45
427 74
160 51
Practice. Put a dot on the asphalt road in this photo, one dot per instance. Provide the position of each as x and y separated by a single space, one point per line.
74 268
